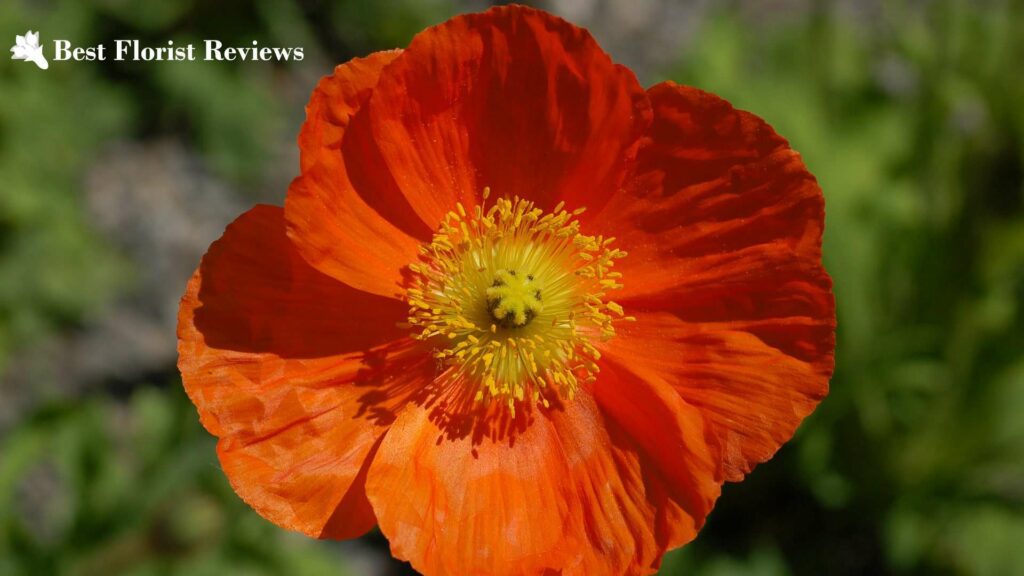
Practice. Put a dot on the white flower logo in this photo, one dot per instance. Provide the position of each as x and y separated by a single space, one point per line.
27 48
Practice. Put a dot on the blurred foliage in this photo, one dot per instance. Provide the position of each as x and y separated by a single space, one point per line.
132 487
130 484
55 269
912 122
908 112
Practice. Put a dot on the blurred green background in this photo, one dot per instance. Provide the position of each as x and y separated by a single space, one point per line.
114 177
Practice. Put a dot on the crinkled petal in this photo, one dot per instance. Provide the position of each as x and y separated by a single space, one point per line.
336 229
719 211
566 490
672 436
515 99
723 227
294 372
753 394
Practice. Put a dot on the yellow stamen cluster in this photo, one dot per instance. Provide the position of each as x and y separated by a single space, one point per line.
513 297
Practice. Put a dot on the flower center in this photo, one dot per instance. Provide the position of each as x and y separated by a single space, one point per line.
512 299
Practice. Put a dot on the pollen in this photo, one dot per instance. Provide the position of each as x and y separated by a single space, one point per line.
512 300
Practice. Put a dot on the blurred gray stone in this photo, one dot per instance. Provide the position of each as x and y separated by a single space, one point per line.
158 205
648 36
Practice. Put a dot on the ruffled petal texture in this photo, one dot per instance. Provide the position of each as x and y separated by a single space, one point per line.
294 336
565 490
292 370
723 226
336 229
515 99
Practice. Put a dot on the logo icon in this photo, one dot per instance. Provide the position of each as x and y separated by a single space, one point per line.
27 48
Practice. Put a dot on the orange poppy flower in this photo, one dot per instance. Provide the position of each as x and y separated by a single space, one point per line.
518 312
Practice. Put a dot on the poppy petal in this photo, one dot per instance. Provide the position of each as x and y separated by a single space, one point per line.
334 227
723 227
673 438
514 99
569 493
720 206
753 393
286 366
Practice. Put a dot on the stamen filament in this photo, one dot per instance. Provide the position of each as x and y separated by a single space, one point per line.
516 295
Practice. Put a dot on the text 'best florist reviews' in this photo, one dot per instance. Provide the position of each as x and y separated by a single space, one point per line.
212 50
